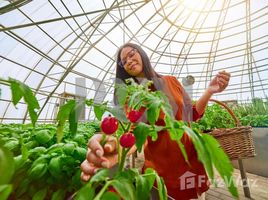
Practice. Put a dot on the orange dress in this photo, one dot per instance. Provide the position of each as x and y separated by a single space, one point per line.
183 181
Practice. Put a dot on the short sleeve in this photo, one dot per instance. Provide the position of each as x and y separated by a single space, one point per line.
196 115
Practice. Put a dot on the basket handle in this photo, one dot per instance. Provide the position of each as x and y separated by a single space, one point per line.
228 109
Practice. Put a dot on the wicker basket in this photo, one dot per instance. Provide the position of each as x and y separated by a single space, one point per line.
237 142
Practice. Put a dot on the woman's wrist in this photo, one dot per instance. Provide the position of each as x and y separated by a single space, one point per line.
208 93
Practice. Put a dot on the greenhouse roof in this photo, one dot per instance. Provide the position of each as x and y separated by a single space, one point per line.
58 47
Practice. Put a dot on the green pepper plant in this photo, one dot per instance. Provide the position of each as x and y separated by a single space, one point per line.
137 101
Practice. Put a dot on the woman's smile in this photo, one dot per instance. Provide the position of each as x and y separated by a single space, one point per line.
131 61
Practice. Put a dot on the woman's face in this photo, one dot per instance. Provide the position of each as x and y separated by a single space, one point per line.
131 61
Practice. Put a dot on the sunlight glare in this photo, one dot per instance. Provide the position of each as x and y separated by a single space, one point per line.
194 4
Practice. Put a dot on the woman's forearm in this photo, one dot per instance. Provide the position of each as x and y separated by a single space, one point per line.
202 102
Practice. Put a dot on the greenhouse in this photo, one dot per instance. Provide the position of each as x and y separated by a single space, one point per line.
133 99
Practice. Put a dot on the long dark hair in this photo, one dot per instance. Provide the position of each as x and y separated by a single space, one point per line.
121 74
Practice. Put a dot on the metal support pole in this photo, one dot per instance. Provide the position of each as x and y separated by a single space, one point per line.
244 179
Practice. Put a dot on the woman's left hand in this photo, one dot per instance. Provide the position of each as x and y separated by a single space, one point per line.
219 83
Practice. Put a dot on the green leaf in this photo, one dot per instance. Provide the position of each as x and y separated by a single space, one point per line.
99 110
43 136
43 159
176 132
55 148
110 196
37 171
89 102
154 131
36 152
121 94
221 163
87 192
125 188
7 165
119 113
16 91
62 116
20 90
58 195
141 131
74 116
24 150
80 153
154 135
12 145
134 98
101 175
202 151
65 110
153 111
129 174
76 178
143 189
19 162
40 195
165 105
183 151
31 144
150 175
162 190
69 148
5 191
55 167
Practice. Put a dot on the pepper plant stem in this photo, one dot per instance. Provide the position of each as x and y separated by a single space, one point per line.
123 159
103 189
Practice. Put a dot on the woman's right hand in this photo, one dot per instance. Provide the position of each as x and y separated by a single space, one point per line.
99 156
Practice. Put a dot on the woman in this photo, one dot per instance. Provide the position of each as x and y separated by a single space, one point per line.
164 154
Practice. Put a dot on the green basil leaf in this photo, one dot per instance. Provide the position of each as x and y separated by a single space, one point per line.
37 171
43 136
69 148
7 165
55 167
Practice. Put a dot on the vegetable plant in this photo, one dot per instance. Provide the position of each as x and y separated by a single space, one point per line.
136 102
43 166
47 157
